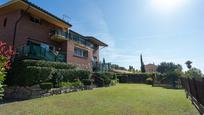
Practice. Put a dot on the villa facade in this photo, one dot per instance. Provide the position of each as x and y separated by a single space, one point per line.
37 34
151 68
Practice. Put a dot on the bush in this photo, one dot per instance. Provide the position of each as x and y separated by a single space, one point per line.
149 80
65 84
77 83
23 74
46 85
134 78
6 54
83 74
103 79
114 82
41 63
29 76
71 75
87 81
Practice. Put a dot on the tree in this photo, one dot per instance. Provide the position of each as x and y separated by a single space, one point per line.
142 64
130 68
115 66
166 67
194 73
170 72
6 54
188 64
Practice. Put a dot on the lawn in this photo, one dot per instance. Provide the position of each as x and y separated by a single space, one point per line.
122 99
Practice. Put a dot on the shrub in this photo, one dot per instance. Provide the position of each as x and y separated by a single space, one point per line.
65 84
68 75
83 74
29 75
71 75
194 73
6 54
134 78
103 79
114 82
149 80
87 81
46 85
41 63
77 83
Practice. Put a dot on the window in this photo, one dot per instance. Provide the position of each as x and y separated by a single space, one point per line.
5 22
80 39
80 52
35 20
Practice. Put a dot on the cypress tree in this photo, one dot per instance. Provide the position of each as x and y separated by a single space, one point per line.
142 64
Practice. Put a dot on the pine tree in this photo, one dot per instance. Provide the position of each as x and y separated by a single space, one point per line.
142 64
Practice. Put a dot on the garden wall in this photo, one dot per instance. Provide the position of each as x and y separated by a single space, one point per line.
22 93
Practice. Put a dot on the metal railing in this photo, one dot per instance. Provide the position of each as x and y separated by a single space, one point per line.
61 33
38 52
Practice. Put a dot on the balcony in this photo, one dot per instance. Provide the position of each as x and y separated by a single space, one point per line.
59 35
39 53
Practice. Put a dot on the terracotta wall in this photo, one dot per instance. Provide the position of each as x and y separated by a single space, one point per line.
6 33
28 30
85 63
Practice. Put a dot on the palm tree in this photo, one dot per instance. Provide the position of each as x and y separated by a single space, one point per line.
188 64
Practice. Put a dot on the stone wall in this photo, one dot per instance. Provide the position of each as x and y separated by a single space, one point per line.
22 93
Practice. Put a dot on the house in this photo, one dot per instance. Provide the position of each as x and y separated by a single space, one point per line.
150 68
37 34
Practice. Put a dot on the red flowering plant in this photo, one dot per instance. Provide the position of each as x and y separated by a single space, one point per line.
6 53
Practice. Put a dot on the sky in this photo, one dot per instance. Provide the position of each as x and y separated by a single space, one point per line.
160 30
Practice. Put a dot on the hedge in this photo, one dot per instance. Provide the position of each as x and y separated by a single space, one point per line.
41 63
28 76
134 78
23 74
71 75
103 78
46 85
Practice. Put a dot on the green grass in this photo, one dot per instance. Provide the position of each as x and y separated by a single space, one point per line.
123 99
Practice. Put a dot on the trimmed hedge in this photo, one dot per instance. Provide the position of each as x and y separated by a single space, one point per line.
46 85
41 63
103 79
71 75
135 78
29 72
87 81
28 76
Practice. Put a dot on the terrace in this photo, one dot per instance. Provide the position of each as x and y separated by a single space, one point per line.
40 53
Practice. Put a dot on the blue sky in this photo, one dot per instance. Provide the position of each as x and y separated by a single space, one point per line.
162 30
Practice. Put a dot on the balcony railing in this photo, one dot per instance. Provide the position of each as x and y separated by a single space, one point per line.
59 35
38 52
